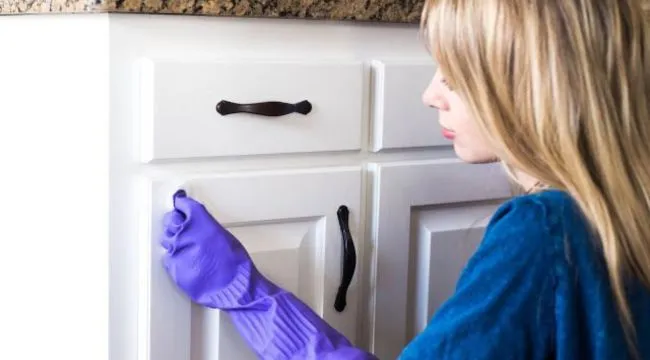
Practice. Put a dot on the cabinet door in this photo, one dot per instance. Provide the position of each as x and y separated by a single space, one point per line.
287 220
427 220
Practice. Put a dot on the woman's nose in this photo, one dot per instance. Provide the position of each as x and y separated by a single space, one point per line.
433 97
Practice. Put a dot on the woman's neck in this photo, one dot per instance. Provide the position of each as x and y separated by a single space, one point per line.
528 182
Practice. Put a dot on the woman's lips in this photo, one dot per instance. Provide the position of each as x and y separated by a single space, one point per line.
448 133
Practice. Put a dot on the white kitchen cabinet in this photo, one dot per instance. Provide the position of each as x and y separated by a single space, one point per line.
125 105
427 220
287 220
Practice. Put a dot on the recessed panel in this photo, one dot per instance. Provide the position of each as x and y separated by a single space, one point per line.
290 255
443 238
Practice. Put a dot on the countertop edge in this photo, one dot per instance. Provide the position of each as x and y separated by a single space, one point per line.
379 11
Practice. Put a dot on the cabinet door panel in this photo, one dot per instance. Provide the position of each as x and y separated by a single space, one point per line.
443 239
408 196
286 220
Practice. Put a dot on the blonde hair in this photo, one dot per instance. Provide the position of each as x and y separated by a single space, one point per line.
561 89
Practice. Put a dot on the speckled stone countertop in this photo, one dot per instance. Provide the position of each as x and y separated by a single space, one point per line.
397 11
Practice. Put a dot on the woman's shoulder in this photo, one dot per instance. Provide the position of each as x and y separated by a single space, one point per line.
534 223
548 210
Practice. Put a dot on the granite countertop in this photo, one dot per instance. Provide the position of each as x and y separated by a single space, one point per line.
397 11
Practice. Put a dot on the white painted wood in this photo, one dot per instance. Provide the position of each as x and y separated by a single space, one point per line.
442 241
400 119
178 101
286 220
402 189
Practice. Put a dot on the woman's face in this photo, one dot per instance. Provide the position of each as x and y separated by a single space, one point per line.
469 144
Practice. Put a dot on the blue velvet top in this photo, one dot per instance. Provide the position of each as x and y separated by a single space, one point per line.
536 288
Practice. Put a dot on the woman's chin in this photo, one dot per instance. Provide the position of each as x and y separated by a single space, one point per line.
474 156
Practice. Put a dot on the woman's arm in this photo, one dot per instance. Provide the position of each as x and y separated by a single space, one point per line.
212 268
280 326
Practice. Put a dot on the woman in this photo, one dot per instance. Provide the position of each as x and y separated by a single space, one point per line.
559 92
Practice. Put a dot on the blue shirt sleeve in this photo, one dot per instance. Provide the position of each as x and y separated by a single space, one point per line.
503 306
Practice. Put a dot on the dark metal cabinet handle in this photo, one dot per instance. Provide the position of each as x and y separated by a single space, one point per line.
349 258
269 108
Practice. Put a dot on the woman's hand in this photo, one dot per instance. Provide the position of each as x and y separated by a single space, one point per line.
206 261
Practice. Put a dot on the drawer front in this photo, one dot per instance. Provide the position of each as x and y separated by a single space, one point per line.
400 119
179 118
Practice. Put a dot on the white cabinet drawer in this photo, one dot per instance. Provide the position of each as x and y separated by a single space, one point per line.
400 119
179 118
288 222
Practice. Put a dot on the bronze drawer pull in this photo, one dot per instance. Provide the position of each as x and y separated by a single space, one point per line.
269 108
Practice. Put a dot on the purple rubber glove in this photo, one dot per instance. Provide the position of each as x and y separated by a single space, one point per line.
212 268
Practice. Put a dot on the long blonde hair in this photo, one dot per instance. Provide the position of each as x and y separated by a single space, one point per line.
561 89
